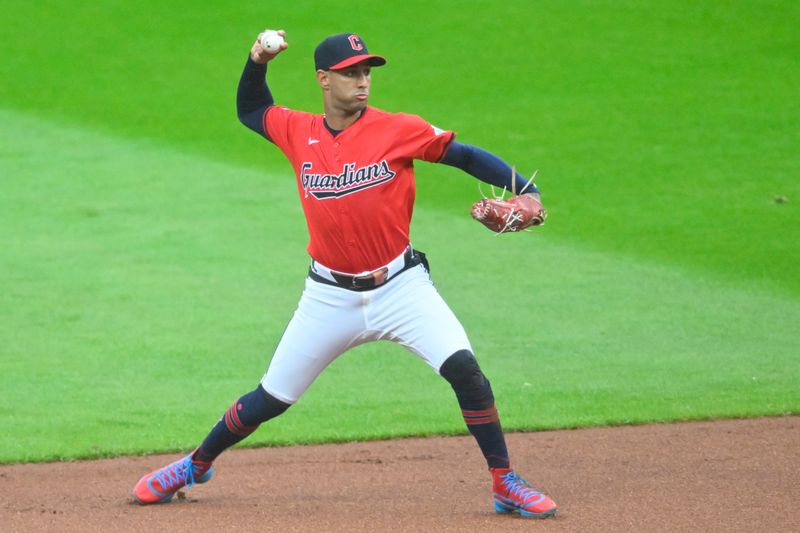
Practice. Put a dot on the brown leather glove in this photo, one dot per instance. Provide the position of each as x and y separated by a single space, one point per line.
513 214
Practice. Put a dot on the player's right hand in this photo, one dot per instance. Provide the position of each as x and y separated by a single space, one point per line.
261 56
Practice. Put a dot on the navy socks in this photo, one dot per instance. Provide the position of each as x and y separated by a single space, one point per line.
240 420
474 394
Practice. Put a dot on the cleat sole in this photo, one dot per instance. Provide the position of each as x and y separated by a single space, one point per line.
502 508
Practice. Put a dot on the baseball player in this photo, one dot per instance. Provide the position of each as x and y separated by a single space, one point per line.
355 177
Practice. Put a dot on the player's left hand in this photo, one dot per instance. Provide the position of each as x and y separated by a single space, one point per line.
514 214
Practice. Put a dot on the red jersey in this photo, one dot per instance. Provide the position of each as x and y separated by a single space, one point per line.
357 188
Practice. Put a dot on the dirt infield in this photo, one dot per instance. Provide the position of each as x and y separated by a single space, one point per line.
737 475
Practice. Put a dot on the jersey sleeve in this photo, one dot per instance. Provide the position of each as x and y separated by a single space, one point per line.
422 140
281 124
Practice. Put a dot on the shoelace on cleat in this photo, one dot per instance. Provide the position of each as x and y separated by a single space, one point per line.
518 487
176 475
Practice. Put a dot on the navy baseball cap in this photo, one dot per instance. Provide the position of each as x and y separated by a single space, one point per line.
344 50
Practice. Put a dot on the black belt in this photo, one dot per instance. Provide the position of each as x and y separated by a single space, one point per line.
374 279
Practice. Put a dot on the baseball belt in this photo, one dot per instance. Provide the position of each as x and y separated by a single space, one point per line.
368 280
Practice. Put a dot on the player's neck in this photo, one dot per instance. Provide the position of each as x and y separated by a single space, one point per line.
339 120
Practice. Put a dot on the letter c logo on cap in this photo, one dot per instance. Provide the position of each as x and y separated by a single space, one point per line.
355 42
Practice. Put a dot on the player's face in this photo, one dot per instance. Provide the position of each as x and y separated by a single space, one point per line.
349 87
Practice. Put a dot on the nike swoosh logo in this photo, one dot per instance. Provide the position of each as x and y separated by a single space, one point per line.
312 141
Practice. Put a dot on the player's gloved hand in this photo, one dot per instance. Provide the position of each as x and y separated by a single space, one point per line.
514 214
261 56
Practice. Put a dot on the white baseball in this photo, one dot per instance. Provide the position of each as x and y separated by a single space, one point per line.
271 41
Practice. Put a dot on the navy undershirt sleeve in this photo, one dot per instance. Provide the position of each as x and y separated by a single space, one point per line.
486 166
253 96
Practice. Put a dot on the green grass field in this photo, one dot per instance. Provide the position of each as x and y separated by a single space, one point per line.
152 248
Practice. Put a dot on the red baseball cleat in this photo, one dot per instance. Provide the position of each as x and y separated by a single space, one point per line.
512 493
161 485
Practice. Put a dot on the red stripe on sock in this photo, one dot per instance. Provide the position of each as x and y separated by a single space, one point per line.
484 420
485 412
486 416
235 416
229 423
235 425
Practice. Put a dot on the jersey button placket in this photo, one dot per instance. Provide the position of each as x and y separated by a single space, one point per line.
342 208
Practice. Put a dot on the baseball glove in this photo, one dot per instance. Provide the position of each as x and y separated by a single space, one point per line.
513 214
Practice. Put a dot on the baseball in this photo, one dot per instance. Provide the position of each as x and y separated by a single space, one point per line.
271 41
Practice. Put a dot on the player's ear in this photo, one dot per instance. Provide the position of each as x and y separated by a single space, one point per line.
323 79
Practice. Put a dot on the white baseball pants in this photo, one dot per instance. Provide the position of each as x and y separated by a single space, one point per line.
330 320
